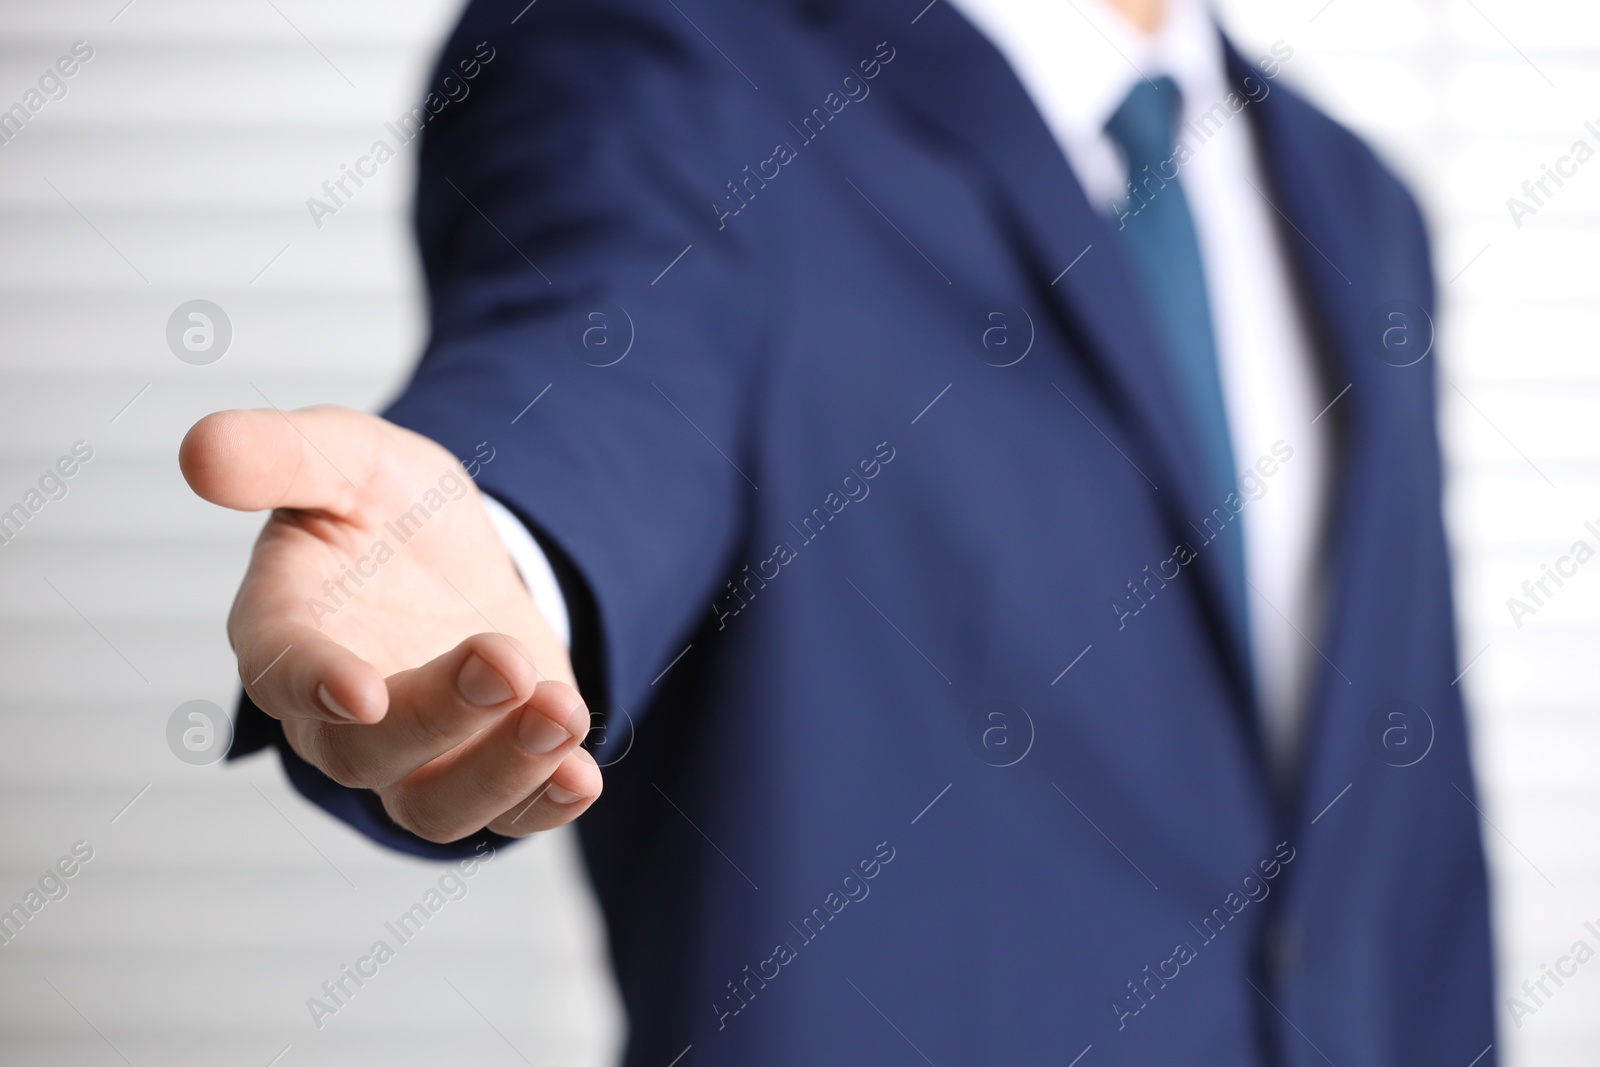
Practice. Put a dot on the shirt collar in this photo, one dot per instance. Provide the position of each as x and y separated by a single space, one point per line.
1078 59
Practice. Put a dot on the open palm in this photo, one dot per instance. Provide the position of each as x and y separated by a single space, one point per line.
383 622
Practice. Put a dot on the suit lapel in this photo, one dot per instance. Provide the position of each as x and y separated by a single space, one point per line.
1343 282
959 91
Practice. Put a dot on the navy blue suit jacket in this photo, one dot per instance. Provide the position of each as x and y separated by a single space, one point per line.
842 472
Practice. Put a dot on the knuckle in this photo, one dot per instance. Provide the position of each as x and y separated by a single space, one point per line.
507 786
415 812
432 729
337 758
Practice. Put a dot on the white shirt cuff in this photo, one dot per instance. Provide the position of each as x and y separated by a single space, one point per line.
533 565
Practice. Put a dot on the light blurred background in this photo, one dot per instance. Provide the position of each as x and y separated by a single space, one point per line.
177 167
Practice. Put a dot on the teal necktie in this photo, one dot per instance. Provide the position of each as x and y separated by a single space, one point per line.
1157 233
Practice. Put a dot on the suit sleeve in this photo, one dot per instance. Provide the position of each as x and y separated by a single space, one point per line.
591 325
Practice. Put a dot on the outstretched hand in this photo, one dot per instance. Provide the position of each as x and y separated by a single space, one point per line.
382 621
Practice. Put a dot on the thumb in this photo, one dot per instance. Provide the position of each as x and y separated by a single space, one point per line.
317 458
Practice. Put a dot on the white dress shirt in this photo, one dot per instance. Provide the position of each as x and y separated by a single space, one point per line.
1077 61
534 566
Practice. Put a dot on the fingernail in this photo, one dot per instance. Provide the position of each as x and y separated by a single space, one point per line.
332 704
539 735
556 795
481 684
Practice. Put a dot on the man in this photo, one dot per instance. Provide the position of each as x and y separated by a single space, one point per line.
988 485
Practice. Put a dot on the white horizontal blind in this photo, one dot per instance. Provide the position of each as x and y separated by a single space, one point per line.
1468 99
176 167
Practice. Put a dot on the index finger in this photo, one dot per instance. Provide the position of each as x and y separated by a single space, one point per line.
294 672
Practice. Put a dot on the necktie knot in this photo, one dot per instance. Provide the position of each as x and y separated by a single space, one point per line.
1146 123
